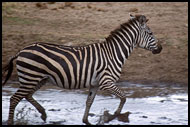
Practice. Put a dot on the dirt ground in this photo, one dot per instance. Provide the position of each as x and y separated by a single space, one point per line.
83 23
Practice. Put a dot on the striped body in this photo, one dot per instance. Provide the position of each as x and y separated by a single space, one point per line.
95 66
67 67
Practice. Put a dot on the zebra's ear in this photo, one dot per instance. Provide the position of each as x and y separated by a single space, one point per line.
131 16
143 20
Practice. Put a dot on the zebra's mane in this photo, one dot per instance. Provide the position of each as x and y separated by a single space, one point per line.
118 29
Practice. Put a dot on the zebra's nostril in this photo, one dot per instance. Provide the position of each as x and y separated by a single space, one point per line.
158 50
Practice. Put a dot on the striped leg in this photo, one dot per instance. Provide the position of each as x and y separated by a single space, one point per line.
37 106
113 89
14 100
30 99
89 101
20 94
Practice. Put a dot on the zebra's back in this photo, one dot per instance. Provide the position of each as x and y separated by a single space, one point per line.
67 67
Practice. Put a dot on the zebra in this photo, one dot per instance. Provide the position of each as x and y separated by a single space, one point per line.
95 66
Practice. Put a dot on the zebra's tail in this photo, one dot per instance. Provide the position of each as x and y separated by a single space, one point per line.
9 68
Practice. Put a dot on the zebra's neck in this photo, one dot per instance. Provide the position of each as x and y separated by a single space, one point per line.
121 42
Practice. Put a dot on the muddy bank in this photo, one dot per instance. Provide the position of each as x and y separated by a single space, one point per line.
83 23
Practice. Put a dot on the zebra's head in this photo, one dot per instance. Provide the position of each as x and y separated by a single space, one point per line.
146 38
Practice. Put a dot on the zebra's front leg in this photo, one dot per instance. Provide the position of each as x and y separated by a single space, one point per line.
113 89
89 101
122 102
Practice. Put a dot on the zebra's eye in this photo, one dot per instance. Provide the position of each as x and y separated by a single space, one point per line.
150 33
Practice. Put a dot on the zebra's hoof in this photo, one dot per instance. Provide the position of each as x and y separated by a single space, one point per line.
44 117
10 122
86 122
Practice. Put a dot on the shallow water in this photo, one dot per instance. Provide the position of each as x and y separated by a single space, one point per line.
147 104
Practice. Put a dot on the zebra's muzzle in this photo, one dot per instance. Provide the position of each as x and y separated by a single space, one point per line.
158 50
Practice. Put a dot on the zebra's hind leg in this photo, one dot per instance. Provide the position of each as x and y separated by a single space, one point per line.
24 92
113 89
37 106
30 99
14 100
89 101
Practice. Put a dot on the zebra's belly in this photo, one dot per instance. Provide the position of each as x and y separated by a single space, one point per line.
86 82
29 76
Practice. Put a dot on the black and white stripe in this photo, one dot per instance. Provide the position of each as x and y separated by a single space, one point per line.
96 65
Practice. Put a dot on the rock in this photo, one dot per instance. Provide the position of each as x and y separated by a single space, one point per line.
89 6
54 110
107 117
41 5
124 117
144 116
133 10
